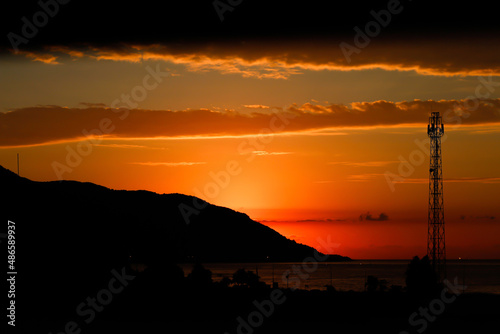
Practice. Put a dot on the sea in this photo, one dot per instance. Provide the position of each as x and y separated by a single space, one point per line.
476 276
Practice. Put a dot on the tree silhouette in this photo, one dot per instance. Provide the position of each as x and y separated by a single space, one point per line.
248 278
225 282
421 277
382 285
371 283
200 276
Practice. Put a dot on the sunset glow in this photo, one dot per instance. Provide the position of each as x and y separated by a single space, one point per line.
239 167
289 131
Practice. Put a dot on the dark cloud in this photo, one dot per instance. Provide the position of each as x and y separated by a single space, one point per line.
369 217
93 105
115 22
485 217
45 124
328 220
282 59
437 38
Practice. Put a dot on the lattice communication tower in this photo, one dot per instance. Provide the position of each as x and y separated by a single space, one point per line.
436 249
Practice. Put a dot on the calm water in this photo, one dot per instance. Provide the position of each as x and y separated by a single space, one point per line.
478 275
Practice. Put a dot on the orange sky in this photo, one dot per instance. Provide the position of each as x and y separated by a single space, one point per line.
259 133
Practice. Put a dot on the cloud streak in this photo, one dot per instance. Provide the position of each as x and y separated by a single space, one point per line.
49 124
363 163
167 164
370 217
272 60
266 153
453 180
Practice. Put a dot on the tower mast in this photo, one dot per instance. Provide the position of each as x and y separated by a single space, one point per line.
436 250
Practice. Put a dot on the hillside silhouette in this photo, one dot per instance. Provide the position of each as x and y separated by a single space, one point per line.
75 243
85 220
70 235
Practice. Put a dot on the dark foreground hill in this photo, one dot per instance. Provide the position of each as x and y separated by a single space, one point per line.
68 220
70 236
75 242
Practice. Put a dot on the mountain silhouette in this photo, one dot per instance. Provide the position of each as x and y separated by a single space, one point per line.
85 221
70 236
75 242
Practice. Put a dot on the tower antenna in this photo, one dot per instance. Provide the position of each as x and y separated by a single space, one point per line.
18 164
436 249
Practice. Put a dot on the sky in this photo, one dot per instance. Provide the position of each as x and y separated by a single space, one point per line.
311 119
